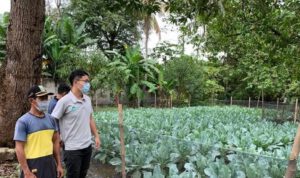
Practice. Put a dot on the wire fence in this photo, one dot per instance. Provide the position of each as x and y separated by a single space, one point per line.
271 110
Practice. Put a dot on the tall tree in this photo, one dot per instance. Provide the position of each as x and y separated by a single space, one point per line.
111 23
17 74
150 7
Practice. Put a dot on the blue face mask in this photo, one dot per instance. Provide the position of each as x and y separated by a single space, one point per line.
42 106
86 88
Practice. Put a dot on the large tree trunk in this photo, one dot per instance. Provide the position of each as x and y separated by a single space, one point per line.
21 68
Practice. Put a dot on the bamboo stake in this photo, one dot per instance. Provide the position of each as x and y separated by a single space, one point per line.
296 111
292 164
120 109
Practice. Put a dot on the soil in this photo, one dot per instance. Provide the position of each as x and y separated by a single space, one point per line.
10 169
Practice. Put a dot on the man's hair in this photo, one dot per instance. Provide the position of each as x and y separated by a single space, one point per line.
63 88
76 75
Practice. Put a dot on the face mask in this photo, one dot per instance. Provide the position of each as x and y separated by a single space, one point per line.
42 106
86 88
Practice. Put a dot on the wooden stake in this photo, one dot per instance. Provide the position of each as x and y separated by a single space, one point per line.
258 100
155 101
277 104
231 101
296 111
120 109
96 99
249 105
292 164
262 104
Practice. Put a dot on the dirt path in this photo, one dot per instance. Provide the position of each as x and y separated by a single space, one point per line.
97 170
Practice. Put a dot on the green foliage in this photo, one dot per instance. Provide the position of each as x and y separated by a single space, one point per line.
137 73
256 43
4 20
197 141
63 41
194 79
109 22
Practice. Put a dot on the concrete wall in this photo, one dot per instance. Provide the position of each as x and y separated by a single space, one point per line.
102 97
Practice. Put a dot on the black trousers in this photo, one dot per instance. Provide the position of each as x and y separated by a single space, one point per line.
43 167
77 162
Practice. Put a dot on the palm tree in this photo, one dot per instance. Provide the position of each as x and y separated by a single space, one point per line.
150 7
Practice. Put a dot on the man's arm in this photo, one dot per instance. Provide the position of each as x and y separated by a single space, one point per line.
56 152
22 159
95 132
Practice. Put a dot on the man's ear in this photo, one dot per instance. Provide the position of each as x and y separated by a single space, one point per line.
30 100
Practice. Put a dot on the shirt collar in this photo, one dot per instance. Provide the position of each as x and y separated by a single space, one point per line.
75 99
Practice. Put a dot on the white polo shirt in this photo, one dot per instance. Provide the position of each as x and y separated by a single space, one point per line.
74 121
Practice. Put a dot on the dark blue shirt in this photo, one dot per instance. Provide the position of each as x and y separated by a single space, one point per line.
52 104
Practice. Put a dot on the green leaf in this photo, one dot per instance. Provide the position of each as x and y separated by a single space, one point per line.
115 161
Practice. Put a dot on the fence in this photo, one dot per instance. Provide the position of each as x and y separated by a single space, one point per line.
271 110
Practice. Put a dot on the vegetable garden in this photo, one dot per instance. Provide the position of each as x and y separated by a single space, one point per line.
197 142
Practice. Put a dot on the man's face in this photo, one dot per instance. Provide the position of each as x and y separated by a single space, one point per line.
40 103
81 81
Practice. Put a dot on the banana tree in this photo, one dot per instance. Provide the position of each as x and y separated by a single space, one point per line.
136 68
62 40
164 87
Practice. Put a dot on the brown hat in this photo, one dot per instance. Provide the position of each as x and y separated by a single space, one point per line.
37 90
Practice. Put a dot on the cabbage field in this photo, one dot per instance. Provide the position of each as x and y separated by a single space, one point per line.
196 142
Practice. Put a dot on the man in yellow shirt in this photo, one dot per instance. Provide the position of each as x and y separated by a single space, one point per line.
37 139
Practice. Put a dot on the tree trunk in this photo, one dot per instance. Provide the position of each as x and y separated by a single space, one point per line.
20 69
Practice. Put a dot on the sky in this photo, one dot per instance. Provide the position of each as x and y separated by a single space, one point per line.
169 32
4 6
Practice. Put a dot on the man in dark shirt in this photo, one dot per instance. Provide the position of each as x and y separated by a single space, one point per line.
62 90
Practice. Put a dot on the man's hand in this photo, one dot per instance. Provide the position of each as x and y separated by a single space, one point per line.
97 143
60 171
29 175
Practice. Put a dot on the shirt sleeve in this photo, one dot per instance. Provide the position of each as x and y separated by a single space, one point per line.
58 110
20 131
54 123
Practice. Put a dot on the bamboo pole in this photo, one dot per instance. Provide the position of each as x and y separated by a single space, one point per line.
120 109
292 164
296 111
